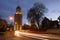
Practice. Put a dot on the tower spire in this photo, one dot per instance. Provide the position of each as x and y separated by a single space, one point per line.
18 10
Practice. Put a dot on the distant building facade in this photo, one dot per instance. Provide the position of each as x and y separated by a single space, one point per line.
18 19
48 24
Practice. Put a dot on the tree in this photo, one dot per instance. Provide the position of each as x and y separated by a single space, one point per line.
3 25
36 13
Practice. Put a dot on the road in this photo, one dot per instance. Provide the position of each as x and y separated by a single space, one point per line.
10 36
21 36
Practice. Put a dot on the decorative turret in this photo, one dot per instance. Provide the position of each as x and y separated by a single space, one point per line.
18 10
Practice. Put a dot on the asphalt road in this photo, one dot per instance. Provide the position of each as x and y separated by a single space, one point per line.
10 36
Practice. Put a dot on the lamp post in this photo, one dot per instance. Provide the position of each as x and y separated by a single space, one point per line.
11 19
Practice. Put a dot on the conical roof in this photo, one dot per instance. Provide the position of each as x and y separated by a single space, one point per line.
18 7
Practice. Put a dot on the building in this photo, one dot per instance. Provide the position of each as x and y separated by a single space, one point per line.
18 19
59 20
49 24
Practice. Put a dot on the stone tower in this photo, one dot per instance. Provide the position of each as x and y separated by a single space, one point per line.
18 19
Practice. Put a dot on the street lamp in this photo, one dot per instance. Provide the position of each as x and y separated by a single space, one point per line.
11 18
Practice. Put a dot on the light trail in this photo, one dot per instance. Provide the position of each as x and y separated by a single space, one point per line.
17 33
36 36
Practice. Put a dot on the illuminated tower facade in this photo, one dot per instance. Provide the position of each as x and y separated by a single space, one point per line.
18 19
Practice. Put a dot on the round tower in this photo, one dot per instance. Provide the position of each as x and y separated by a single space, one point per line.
18 19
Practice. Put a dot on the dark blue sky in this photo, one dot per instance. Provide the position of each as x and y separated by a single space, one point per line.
8 8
